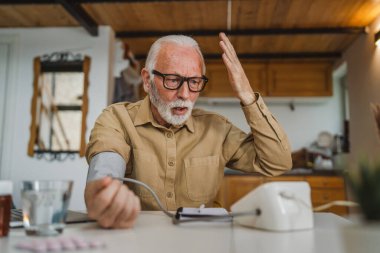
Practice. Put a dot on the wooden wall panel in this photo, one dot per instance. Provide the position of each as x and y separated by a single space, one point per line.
303 13
261 44
189 15
212 15
296 43
160 16
207 44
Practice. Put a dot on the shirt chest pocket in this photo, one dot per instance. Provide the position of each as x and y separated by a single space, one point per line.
202 177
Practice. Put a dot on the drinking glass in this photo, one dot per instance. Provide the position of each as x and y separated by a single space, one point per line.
44 206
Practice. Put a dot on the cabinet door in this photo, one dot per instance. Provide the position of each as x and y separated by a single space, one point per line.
326 182
326 189
238 186
298 79
219 85
282 178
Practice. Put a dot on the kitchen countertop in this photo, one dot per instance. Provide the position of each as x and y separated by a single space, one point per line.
154 232
293 172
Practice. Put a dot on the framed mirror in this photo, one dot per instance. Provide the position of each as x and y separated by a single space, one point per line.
59 106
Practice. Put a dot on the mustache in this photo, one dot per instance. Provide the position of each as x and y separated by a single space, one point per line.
180 103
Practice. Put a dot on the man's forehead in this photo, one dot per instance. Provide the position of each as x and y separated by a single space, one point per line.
171 55
168 49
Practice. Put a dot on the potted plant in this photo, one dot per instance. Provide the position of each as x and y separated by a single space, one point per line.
365 185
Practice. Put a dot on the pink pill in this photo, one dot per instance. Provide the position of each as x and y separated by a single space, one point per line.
53 245
68 245
39 247
82 245
78 239
96 244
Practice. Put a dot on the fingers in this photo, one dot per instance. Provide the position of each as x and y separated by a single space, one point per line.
227 62
236 75
114 206
227 47
97 185
93 187
226 43
226 56
129 214
109 215
229 55
101 200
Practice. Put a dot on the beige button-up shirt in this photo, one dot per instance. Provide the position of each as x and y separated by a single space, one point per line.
185 165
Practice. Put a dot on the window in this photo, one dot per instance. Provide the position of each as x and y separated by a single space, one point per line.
59 106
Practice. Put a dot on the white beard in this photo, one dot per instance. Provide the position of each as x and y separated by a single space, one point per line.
164 109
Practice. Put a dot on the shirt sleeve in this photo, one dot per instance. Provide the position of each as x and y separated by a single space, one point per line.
108 135
106 164
265 150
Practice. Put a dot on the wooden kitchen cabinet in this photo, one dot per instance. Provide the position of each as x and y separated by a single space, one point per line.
219 85
299 79
274 79
324 189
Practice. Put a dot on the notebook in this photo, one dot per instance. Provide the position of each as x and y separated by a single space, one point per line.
72 217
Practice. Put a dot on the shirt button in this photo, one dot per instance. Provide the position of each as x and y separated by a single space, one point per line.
171 163
262 106
169 135
169 194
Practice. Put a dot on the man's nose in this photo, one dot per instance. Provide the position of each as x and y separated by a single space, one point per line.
183 92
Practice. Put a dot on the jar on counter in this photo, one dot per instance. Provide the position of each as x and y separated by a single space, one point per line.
5 206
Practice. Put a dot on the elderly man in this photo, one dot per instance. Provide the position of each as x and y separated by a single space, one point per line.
180 152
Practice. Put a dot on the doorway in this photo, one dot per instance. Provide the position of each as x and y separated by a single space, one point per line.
4 59
7 101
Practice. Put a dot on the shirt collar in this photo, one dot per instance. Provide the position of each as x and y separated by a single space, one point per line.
144 115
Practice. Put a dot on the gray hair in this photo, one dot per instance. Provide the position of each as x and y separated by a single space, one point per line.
180 40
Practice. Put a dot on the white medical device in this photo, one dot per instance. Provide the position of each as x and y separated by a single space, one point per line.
277 206
280 206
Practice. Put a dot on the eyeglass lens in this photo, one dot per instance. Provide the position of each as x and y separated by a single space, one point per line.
173 82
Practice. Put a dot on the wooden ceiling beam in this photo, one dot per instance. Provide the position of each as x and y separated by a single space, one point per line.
76 10
268 56
246 32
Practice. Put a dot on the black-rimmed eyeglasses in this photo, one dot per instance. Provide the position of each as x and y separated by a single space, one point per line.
174 81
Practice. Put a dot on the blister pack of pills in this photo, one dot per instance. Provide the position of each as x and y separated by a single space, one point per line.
60 244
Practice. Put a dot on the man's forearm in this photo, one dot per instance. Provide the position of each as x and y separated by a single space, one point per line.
270 141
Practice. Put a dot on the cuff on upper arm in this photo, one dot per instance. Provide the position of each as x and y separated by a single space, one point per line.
106 164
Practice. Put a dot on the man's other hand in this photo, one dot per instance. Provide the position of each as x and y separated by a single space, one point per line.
236 75
111 203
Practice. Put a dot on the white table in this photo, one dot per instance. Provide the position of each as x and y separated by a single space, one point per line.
154 232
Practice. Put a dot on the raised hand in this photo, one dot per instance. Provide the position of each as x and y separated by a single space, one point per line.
236 75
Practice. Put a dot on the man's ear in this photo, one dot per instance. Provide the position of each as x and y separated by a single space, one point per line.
145 77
